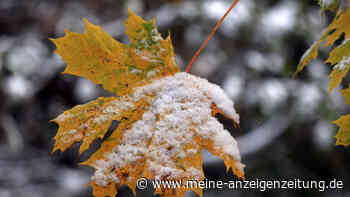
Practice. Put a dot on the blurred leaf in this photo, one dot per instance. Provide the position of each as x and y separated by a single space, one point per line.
339 58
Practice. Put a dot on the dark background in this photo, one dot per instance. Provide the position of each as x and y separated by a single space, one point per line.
285 131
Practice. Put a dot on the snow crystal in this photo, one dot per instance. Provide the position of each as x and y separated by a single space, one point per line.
89 133
63 117
115 107
101 119
135 71
345 41
180 109
152 59
156 36
308 51
192 151
73 131
101 177
70 136
182 81
343 64
193 172
151 74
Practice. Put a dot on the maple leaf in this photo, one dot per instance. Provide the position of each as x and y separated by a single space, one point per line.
166 117
340 25
339 58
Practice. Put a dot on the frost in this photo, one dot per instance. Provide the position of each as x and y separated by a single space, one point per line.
135 71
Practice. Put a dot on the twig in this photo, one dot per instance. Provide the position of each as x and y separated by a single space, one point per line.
211 35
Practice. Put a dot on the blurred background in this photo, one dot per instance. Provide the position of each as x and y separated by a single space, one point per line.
285 130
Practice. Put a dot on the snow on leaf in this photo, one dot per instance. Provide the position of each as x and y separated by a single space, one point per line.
339 72
118 67
166 118
309 55
340 56
339 53
88 122
337 76
164 139
339 26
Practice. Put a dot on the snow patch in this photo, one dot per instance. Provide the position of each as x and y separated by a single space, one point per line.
180 110
343 64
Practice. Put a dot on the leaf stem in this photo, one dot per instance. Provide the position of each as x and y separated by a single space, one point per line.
210 35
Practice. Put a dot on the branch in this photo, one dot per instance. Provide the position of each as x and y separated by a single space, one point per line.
211 35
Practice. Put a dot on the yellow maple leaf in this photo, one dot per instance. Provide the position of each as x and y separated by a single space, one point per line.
339 26
166 117
118 67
